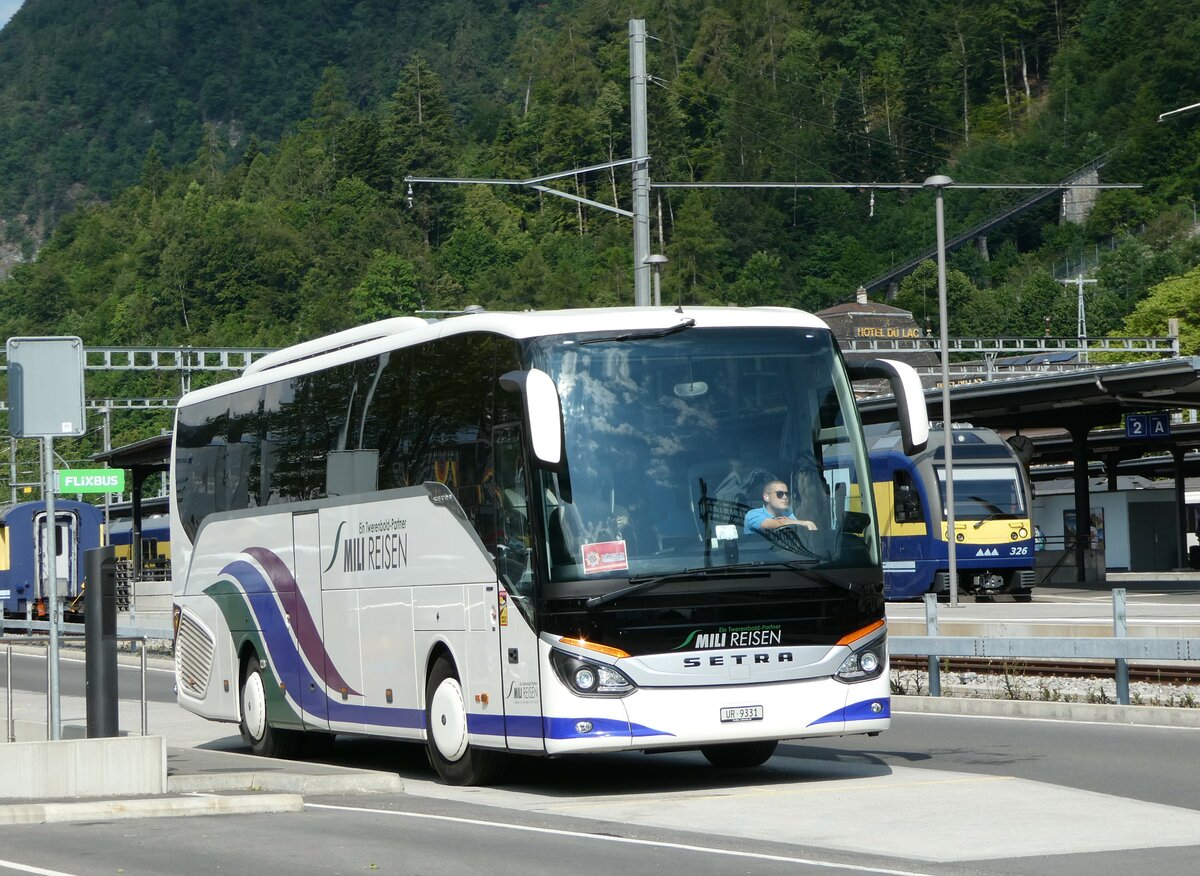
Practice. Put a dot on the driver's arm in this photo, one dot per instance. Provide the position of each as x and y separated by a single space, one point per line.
780 522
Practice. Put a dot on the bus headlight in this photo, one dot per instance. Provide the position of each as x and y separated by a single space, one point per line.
864 664
589 679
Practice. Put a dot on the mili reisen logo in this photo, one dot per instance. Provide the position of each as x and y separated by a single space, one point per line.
378 546
733 637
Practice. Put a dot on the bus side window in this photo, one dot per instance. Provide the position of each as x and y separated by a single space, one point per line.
908 502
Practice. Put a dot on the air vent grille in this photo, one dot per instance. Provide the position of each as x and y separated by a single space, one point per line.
193 657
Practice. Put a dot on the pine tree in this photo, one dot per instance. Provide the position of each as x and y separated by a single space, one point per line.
418 137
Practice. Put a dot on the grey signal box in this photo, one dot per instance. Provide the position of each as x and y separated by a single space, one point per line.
45 387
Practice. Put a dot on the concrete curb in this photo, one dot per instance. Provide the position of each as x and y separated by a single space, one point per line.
1146 716
290 783
162 807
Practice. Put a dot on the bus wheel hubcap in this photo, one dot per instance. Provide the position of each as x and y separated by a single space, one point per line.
254 706
448 720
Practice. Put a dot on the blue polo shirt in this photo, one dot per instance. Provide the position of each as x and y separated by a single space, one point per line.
756 516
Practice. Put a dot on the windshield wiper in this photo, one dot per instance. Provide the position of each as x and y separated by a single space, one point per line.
996 510
651 583
643 333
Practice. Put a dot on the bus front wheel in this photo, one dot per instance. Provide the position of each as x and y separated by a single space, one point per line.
263 739
456 761
738 755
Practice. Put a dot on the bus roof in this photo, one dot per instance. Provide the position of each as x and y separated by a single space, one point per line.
398 333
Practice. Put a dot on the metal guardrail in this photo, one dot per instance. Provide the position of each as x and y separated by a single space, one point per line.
9 641
166 358
123 633
1119 648
1014 346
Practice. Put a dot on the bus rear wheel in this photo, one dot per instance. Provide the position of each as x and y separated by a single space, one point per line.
739 755
263 739
456 761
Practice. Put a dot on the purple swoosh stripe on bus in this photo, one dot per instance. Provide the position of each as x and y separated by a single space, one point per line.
303 626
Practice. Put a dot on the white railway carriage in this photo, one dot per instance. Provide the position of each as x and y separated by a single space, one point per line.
524 532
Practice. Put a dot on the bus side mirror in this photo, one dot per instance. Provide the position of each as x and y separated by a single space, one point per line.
543 414
910 398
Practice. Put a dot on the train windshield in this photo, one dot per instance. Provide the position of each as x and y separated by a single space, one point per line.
985 492
673 440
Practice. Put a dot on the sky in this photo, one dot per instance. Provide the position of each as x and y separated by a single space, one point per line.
7 8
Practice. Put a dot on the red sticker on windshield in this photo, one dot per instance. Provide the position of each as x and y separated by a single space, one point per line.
604 556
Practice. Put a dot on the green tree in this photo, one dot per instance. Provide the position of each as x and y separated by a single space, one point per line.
388 289
417 140
1174 298
697 252
760 281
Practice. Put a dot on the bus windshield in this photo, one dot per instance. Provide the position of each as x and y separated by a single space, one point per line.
672 441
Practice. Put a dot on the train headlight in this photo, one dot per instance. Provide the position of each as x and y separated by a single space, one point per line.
1023 532
864 664
588 678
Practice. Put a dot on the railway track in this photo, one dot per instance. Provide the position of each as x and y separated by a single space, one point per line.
1153 673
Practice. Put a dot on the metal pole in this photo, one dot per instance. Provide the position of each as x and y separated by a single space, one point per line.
931 630
641 171
11 734
145 719
107 412
1081 328
52 693
12 469
1120 630
938 183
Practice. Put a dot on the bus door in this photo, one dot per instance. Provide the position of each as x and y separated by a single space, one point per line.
64 565
303 608
515 604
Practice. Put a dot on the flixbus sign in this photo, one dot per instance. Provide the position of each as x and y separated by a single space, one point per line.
90 480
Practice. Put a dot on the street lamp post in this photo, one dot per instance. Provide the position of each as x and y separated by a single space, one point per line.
656 262
938 183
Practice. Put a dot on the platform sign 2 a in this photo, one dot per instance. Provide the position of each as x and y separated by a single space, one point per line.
1157 425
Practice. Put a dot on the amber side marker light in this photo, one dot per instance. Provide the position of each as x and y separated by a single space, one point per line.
860 633
593 646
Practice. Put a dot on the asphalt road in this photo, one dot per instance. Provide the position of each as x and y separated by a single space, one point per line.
935 795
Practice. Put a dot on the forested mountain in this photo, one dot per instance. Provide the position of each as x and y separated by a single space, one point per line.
232 173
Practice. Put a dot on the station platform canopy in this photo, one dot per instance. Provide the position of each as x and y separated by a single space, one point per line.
1084 398
142 459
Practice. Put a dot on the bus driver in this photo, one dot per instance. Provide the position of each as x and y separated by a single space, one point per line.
774 513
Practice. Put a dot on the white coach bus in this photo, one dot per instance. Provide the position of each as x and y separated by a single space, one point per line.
526 533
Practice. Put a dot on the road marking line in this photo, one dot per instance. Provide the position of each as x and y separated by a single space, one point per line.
757 856
819 786
25 868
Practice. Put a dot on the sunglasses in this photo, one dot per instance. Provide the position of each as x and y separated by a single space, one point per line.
782 494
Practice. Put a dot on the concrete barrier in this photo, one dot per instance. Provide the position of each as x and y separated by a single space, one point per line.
110 767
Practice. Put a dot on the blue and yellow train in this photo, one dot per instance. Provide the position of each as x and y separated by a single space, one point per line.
80 528
23 552
993 526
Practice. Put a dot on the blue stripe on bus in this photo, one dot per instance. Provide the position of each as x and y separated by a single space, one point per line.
486 725
860 711
564 728
529 726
